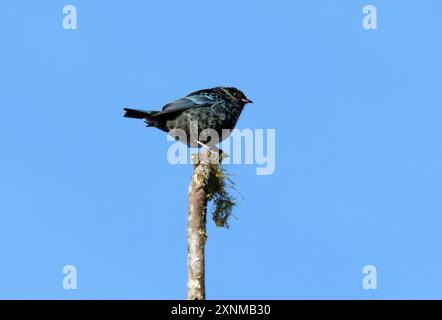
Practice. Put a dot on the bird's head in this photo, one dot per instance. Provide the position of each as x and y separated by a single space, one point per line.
238 95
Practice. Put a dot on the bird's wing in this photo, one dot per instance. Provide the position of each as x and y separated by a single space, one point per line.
188 102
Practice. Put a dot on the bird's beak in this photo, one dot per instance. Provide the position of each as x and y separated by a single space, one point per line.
245 100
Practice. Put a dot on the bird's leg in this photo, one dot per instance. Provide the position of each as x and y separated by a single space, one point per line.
202 144
214 149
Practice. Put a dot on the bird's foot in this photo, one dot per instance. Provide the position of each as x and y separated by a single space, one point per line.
221 154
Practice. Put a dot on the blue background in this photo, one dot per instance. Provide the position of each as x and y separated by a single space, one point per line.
358 173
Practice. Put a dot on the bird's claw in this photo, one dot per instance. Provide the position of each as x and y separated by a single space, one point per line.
213 149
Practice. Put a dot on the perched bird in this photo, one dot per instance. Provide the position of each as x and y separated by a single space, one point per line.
188 119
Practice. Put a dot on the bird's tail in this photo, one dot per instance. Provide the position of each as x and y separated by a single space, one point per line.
138 114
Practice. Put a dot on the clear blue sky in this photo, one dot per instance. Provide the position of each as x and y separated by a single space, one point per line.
358 176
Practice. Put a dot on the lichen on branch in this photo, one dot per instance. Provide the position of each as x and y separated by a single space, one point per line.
218 192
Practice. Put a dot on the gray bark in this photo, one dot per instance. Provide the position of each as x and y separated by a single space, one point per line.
196 225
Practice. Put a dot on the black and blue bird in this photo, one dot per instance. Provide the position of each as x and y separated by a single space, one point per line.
188 118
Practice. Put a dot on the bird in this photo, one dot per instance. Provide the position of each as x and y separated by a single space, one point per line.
202 118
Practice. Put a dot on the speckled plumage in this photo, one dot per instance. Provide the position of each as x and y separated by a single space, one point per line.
216 108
